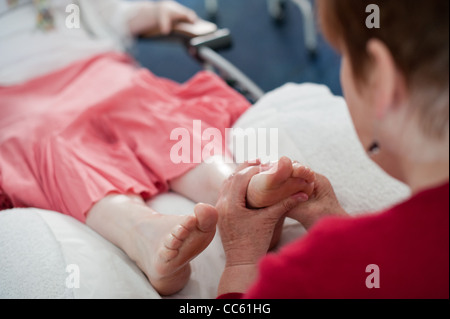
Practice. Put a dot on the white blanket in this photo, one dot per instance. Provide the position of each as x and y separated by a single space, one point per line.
314 128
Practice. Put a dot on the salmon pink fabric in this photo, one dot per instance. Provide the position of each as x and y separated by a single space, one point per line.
100 126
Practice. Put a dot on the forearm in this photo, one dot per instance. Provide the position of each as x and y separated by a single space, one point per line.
237 279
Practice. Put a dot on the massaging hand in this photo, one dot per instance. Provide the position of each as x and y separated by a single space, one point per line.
246 234
323 202
158 18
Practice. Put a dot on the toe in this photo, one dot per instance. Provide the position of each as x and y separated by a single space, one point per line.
171 242
207 217
181 232
190 223
279 173
304 172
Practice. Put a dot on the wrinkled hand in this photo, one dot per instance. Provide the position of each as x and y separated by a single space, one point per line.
158 18
246 234
322 203
170 12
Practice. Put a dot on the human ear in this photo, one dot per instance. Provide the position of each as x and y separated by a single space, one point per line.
387 83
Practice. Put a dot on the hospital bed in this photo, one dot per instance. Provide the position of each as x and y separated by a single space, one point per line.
49 255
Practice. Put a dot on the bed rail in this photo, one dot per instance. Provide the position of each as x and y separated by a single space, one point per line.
203 40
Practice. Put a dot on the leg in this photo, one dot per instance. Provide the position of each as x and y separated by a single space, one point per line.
203 183
162 246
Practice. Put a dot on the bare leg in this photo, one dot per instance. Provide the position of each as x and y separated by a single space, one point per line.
203 183
162 246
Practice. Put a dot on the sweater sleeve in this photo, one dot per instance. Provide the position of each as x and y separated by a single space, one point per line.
112 14
230 296
317 266
116 13
399 253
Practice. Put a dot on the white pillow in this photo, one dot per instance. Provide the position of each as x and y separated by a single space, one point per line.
31 261
50 255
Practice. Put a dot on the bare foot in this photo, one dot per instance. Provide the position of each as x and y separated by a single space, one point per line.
166 244
279 182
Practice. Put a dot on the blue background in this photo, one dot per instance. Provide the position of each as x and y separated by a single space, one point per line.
270 53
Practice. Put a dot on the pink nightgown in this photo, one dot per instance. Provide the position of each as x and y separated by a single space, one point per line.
101 126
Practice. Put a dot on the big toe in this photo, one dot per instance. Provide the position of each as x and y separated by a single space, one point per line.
207 217
279 173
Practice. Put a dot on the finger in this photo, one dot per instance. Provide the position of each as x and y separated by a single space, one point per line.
285 206
165 24
180 13
240 182
268 166
191 16
248 164
272 167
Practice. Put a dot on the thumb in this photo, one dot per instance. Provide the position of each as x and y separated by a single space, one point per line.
285 206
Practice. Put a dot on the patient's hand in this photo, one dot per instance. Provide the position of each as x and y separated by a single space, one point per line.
158 18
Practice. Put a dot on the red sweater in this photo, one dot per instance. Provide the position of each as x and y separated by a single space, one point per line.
409 243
